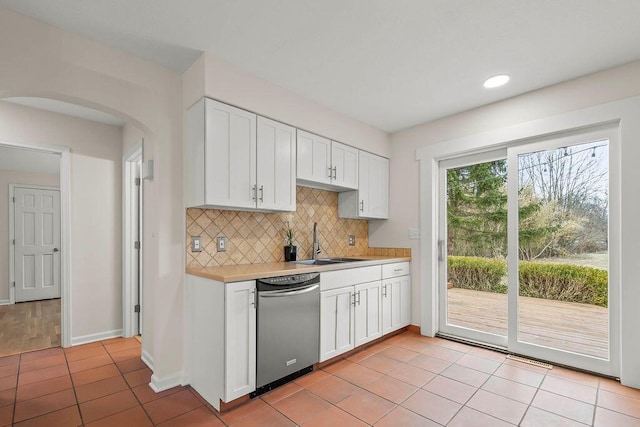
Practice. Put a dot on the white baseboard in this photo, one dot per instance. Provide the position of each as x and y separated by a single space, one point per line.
147 359
158 384
86 339
4 302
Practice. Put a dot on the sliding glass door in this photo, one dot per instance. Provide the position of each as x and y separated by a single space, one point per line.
473 247
524 250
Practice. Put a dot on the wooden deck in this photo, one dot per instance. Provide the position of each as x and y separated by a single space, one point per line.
580 328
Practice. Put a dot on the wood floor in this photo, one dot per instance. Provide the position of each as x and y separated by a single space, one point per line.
580 328
29 326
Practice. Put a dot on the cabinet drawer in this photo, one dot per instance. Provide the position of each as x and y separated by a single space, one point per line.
353 276
395 269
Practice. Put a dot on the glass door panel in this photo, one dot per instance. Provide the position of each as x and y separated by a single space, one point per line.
563 248
559 267
473 248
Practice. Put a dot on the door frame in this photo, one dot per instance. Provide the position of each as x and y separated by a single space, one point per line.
65 230
12 235
130 325
622 115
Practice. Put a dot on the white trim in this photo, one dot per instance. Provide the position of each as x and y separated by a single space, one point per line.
4 302
129 291
624 174
86 339
65 230
147 359
12 233
158 384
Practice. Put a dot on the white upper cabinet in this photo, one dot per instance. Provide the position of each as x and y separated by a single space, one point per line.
326 164
344 160
236 161
371 200
276 183
314 158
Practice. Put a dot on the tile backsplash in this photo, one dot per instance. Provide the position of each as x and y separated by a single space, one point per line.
254 237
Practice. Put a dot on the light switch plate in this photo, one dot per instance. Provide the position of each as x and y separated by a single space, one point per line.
221 244
352 240
196 244
414 233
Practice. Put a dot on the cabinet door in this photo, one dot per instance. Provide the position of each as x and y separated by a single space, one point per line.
405 301
368 322
336 322
230 156
344 162
373 186
276 182
314 158
365 166
396 303
240 333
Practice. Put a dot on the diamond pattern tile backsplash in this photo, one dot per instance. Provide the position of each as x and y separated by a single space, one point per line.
254 237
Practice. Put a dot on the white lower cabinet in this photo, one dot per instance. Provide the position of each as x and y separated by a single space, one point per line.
368 319
240 343
349 316
221 338
396 303
336 322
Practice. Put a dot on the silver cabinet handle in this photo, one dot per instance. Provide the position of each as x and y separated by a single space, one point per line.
254 193
358 297
354 299
330 172
397 270
253 298
384 291
361 205
335 173
262 194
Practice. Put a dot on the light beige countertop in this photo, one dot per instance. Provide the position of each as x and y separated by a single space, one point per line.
237 273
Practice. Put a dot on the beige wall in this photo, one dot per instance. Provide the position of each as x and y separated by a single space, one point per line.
14 177
41 60
96 208
589 91
598 88
222 81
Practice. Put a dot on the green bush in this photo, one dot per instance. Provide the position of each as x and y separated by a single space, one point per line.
564 282
481 274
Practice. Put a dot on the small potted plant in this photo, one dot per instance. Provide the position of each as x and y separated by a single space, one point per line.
290 249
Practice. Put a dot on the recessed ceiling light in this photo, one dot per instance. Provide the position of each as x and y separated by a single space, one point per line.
496 81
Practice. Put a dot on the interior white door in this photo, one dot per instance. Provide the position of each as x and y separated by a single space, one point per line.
37 244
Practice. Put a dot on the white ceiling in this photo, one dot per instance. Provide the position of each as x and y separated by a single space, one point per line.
24 160
68 109
389 63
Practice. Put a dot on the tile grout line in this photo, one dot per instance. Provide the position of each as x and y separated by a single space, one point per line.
128 386
73 386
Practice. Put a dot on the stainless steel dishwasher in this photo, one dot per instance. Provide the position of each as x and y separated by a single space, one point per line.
288 329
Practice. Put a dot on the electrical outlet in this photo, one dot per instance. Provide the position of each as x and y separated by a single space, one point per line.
414 233
222 244
196 244
352 240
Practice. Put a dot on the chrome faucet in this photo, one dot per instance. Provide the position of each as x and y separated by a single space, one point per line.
316 243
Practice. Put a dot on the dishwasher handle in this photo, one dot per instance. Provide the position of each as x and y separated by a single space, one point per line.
273 294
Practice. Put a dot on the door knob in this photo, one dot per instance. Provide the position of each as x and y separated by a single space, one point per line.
55 249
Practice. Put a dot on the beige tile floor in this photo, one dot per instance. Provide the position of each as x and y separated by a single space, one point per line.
406 380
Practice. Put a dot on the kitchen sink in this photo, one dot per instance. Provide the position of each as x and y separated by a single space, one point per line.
326 261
